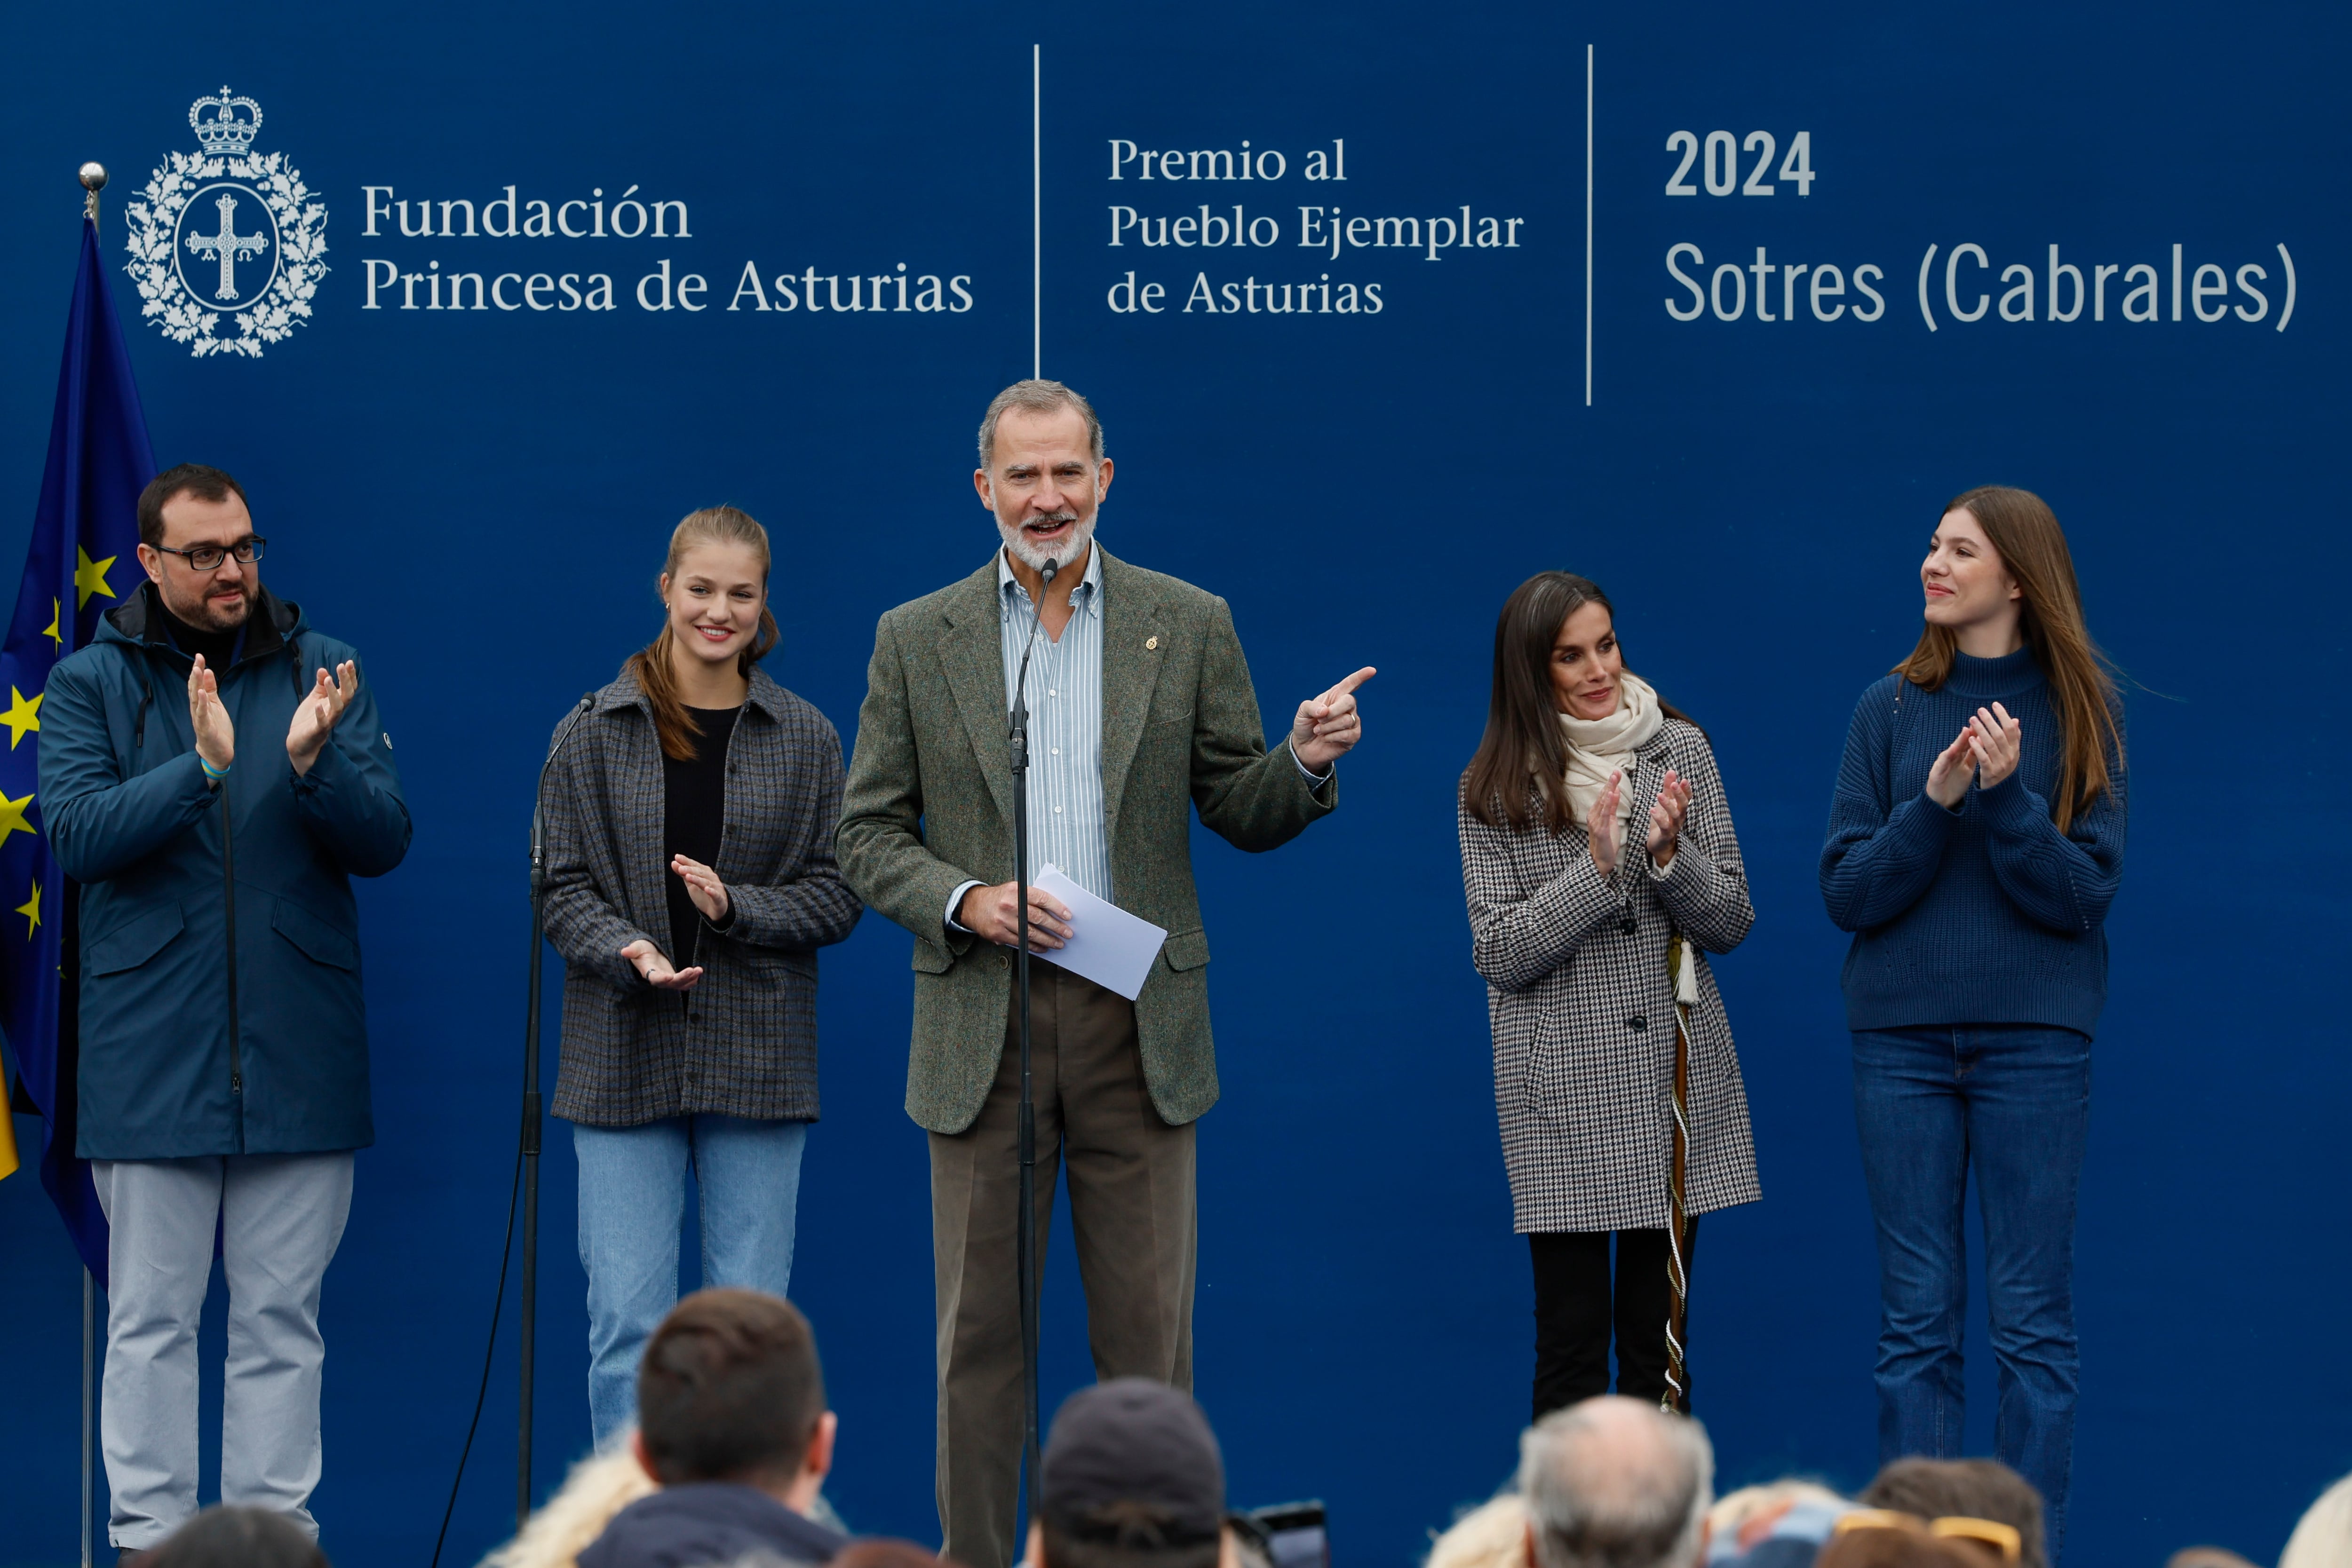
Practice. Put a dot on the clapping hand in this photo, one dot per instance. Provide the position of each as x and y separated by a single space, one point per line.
1601 833
1666 818
1995 740
648 961
215 737
1948 775
703 886
316 715
1327 726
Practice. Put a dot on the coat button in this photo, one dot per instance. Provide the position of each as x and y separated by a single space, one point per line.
1637 1023
1630 926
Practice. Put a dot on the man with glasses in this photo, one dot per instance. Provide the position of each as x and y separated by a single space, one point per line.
223 1076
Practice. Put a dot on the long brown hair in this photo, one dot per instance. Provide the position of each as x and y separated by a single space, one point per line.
2024 533
1523 752
672 723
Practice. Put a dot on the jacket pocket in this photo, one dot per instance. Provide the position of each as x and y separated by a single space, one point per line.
314 938
134 942
932 960
1549 1086
1186 949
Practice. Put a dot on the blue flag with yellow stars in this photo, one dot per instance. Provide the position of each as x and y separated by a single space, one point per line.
83 561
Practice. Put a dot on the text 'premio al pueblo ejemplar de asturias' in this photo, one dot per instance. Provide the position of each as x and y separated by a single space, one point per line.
1242 245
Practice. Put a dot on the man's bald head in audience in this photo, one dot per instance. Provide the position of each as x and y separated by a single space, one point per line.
1615 1483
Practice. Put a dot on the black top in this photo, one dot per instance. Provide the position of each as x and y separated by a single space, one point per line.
694 810
219 648
709 1522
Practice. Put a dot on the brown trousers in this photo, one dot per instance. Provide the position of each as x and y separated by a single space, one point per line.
1132 1210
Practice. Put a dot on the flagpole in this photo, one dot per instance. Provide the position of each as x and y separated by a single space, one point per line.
88 1400
92 176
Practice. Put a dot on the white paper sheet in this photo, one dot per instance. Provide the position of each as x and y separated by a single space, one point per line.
1107 945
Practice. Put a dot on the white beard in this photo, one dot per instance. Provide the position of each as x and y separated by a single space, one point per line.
1081 538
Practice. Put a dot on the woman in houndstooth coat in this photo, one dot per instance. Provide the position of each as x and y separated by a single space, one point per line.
1594 833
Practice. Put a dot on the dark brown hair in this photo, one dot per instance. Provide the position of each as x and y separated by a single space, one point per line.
672 723
888 1552
223 1537
188 479
1897 1548
1973 1489
1523 757
729 1389
2024 533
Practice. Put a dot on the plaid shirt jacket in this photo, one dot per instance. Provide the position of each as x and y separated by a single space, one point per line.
743 1042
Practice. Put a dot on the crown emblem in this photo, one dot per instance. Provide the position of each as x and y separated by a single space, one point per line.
220 130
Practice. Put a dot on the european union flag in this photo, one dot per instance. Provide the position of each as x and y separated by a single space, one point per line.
83 559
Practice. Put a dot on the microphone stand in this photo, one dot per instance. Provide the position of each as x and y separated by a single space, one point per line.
527 1329
1027 1228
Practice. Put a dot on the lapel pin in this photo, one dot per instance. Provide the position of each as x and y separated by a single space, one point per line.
1150 643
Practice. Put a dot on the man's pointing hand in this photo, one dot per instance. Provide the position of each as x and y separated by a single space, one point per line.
1327 726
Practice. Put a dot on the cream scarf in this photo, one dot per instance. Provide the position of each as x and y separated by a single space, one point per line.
1598 747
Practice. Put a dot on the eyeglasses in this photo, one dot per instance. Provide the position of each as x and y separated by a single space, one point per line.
208 558
2002 1538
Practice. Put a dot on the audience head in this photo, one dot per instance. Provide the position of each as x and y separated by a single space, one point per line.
1755 1520
1907 1545
1615 1483
888 1552
238 1538
1130 1479
730 1390
1493 1535
1964 1489
2324 1538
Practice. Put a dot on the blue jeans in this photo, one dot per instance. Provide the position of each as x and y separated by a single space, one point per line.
632 1208
2011 1100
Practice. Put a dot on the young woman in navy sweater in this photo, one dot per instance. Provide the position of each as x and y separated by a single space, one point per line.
1975 842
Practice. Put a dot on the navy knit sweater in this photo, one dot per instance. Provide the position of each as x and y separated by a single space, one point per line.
1985 914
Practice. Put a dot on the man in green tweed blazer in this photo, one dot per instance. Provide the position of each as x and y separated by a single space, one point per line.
1140 704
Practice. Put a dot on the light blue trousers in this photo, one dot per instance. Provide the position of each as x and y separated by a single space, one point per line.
632 1210
280 1218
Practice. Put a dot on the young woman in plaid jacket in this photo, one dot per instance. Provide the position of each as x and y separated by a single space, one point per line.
690 880
1601 868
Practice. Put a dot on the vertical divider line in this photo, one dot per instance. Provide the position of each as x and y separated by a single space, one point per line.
1588 225
1037 213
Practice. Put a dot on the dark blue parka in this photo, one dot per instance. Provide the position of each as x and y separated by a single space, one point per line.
192 1044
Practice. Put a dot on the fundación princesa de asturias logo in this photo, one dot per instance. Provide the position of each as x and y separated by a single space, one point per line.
227 234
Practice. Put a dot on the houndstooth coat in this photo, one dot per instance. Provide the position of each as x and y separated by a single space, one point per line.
1582 1007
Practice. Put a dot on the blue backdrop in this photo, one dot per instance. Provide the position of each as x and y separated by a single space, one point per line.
478 497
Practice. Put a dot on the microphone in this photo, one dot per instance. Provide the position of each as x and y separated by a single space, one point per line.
538 837
1021 682
526 1149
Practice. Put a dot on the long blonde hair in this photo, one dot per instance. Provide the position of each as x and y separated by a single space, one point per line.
672 723
2025 534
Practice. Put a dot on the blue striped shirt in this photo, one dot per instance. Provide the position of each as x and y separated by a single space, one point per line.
1068 826
1066 823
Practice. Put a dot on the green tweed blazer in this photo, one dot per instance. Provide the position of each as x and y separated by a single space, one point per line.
928 805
